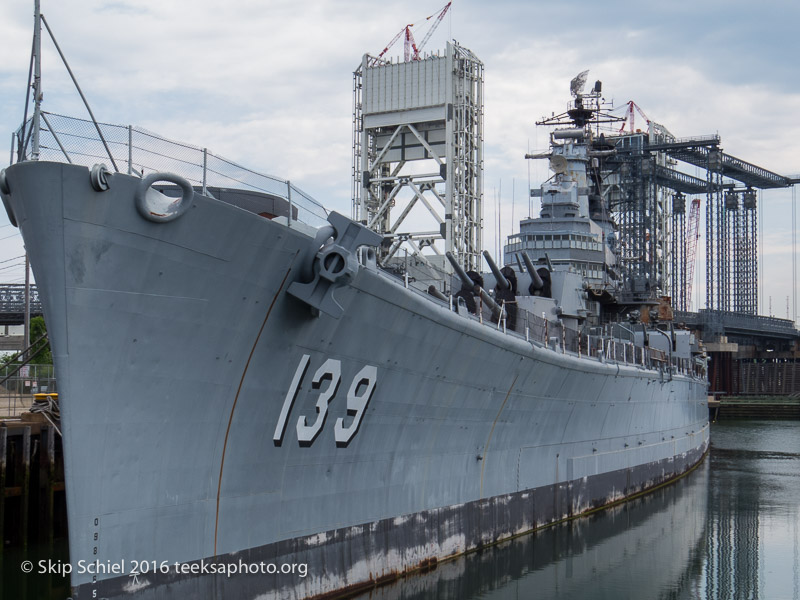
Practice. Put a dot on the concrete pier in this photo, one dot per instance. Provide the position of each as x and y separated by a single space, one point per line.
754 407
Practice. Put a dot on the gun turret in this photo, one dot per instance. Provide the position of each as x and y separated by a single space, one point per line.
536 280
499 277
462 274
496 309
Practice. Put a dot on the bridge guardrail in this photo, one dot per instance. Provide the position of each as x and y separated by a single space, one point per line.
12 303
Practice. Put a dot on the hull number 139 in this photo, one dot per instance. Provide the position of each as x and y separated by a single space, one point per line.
328 376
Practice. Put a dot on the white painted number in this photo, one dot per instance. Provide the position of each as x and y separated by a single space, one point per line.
332 368
358 396
356 404
290 396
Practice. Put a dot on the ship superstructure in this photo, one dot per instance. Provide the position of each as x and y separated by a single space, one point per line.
576 236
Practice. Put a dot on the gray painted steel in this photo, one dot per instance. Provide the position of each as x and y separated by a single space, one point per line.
177 347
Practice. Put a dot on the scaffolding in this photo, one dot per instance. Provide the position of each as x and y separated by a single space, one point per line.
680 278
418 156
645 214
659 253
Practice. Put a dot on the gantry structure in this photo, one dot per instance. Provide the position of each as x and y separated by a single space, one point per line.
652 211
418 156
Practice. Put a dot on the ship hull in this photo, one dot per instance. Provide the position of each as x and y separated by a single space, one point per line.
209 416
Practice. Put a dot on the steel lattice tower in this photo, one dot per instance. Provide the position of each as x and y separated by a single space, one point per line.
418 155
679 274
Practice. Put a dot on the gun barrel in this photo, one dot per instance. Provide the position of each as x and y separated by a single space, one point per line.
537 281
501 280
436 293
459 271
494 306
497 310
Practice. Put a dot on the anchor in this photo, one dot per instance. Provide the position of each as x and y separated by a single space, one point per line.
334 265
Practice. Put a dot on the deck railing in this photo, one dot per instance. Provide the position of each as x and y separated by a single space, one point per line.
136 151
608 345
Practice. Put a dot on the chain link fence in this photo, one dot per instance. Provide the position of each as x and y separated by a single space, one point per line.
136 151
16 392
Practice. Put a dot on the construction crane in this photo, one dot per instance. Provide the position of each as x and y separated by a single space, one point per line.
630 121
405 30
412 50
434 25
691 247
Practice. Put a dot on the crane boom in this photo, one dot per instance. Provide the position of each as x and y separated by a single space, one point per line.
410 48
691 247
631 106
433 27
394 40
411 52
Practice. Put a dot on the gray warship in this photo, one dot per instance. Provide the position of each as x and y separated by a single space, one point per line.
242 392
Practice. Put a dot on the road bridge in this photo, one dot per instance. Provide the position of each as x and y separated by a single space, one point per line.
12 303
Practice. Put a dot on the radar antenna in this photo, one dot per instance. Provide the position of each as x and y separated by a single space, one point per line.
576 85
586 108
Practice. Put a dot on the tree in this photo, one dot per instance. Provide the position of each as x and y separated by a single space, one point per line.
38 329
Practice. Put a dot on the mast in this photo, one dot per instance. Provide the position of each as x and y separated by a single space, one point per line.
26 335
37 116
37 78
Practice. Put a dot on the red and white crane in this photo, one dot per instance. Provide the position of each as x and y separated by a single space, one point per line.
412 50
630 121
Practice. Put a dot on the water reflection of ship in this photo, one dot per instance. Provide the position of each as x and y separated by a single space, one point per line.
753 534
652 547
732 565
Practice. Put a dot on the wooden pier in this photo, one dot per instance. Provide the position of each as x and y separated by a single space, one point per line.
754 407
32 503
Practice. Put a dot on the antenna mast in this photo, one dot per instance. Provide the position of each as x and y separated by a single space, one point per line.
37 78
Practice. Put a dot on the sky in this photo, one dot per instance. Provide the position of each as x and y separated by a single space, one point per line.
269 85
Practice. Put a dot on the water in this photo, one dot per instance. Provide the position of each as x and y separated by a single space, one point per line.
730 529
16 585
